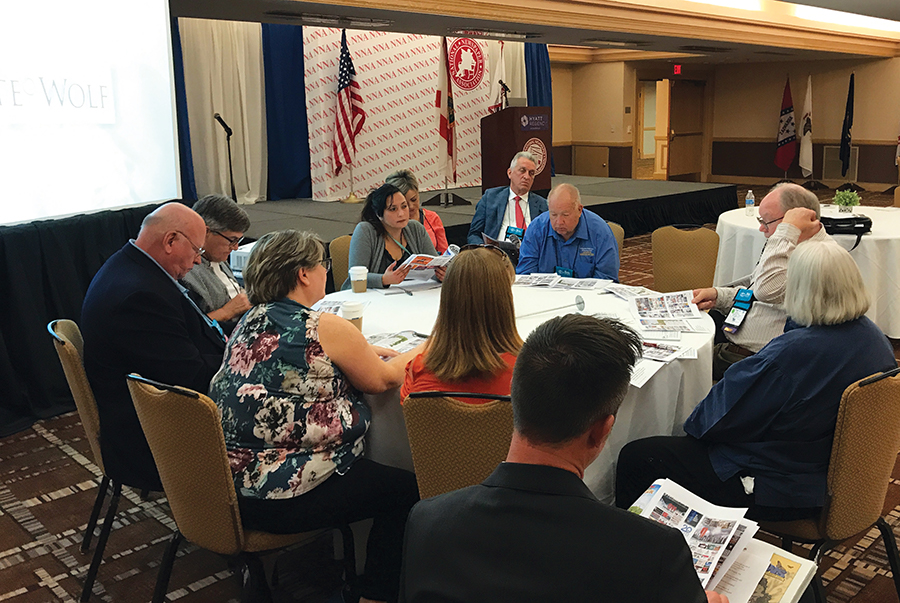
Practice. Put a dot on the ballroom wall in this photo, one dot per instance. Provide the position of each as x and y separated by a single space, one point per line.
746 101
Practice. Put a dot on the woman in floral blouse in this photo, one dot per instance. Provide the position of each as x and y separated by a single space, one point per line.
290 394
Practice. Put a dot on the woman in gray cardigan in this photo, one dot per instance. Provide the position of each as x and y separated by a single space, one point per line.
385 237
211 284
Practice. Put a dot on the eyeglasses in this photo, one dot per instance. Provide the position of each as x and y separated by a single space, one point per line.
197 250
327 263
493 248
232 241
765 224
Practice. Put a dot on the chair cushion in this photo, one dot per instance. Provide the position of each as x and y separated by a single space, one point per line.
255 542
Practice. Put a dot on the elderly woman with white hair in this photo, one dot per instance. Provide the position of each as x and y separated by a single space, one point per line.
762 437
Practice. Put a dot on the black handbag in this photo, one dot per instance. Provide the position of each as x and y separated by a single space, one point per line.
855 224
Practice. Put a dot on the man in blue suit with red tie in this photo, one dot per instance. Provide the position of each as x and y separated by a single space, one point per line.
508 209
136 318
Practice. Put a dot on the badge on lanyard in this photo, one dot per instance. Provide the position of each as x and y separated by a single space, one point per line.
742 302
565 272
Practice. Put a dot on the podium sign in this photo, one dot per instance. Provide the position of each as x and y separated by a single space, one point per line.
514 129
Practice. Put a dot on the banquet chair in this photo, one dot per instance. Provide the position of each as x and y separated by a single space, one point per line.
863 454
185 436
683 259
619 233
70 347
455 444
339 250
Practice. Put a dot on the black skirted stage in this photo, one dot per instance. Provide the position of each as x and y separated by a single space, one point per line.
46 266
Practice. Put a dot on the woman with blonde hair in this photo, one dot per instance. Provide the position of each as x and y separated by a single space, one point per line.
474 342
290 393
762 437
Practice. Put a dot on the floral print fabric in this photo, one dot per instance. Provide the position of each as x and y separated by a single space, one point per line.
289 415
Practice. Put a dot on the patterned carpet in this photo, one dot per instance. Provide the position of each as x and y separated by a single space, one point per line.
48 485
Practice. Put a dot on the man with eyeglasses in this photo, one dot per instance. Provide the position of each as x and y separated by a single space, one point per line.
211 283
788 216
137 318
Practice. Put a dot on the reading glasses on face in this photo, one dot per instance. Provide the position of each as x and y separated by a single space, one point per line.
233 241
765 224
197 250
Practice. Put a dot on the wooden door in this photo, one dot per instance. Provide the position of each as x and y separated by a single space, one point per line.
685 130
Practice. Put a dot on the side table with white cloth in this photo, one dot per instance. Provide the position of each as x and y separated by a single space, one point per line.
878 257
659 407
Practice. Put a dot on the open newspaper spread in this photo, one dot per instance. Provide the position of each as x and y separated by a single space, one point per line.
726 557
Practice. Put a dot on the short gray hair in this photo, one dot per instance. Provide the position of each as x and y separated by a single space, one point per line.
793 195
404 180
824 286
565 186
271 271
222 214
522 155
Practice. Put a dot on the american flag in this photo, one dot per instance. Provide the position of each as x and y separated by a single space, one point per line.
443 102
350 115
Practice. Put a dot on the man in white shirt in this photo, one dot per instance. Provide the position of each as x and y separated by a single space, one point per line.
509 209
788 216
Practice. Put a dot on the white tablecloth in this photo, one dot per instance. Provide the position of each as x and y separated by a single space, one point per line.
878 257
660 407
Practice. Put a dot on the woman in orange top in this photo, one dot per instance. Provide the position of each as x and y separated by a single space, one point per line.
406 182
474 343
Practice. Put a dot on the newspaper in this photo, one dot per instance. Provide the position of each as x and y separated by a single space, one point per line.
627 292
662 352
410 286
707 528
661 325
421 261
643 370
332 306
726 557
580 283
403 341
665 306
537 280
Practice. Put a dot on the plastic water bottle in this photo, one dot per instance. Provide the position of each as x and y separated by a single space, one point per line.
748 203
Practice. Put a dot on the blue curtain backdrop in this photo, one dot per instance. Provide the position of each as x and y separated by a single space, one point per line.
286 126
188 187
539 87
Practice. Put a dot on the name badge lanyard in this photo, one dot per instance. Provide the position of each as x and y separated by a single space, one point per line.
559 264
401 246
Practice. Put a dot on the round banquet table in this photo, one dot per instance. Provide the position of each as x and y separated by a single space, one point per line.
660 407
878 257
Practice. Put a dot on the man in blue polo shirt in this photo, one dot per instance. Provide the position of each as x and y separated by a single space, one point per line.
569 241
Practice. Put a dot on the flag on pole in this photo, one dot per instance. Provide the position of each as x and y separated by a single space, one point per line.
443 101
350 115
786 149
845 131
498 81
806 143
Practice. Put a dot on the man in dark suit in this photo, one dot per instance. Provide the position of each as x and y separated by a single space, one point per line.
533 531
505 207
136 319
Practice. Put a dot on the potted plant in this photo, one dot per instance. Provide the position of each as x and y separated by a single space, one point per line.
846 200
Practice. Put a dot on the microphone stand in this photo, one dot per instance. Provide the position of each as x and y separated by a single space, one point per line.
228 133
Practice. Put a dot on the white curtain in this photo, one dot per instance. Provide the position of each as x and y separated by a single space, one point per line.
223 73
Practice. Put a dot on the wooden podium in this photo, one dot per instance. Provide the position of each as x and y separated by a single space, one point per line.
514 129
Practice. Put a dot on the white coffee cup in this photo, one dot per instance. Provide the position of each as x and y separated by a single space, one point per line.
353 311
358 277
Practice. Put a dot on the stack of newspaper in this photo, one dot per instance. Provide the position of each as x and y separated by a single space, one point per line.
726 557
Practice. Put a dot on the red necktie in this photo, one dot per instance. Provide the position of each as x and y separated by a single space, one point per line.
520 217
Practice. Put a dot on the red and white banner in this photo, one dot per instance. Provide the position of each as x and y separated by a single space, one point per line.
398 77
